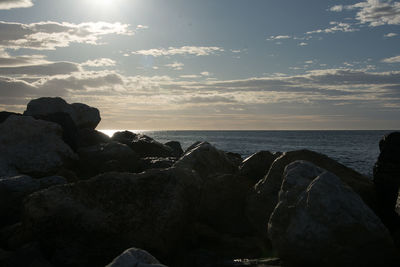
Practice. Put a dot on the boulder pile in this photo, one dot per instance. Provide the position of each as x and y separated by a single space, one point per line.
72 196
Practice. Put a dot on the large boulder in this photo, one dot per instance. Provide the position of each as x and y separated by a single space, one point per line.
124 137
156 163
206 159
135 257
387 179
30 146
257 165
89 222
176 148
90 137
146 146
321 221
14 189
5 114
107 157
265 196
83 115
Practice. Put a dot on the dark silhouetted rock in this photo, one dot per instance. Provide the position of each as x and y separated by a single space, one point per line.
107 157
34 147
83 115
176 148
321 221
387 179
195 144
124 137
257 165
265 197
5 114
206 160
235 158
156 163
70 131
145 147
14 189
89 222
135 257
89 137
29 255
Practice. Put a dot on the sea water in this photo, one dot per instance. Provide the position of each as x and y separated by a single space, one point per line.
356 149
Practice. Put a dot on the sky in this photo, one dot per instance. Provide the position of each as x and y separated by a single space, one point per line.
207 64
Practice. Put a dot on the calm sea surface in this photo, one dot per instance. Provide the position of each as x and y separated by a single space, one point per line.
356 149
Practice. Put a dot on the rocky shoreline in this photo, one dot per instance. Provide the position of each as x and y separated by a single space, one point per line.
72 196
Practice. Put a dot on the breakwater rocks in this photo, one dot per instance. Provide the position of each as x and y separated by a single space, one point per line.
72 196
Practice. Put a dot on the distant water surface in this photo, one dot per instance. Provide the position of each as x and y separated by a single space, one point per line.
356 149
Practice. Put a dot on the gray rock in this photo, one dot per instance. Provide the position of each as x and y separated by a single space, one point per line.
265 196
176 148
89 222
146 146
156 163
124 137
135 257
32 147
83 115
320 221
206 159
257 165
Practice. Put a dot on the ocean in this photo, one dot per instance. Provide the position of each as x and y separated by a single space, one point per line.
356 149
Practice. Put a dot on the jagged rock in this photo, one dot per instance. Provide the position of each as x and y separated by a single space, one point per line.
257 165
387 179
135 257
14 189
89 222
83 115
89 137
145 147
235 158
107 157
176 148
156 163
124 137
70 131
320 221
206 159
265 196
34 147
5 114
195 144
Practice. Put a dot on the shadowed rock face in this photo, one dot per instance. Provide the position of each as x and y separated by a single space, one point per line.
257 165
387 179
146 146
124 137
4 115
135 257
265 196
32 146
90 222
89 137
320 221
176 148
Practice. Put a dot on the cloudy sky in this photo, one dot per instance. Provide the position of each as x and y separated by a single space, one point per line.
209 64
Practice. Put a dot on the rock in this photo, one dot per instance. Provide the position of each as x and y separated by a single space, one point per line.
28 255
86 116
107 157
206 159
70 131
14 189
5 114
320 221
83 115
89 137
235 158
387 179
195 144
135 257
89 222
145 147
125 137
156 163
257 165
265 196
176 148
33 147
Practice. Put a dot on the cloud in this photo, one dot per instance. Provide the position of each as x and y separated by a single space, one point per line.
336 27
25 60
395 59
100 62
389 35
278 37
9 4
49 69
184 50
50 35
374 12
175 65
142 27
205 73
303 44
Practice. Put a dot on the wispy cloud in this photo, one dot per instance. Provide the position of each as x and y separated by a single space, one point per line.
175 65
184 50
389 35
50 35
278 37
9 4
41 69
100 62
395 59
335 27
